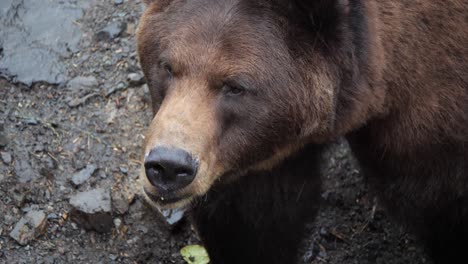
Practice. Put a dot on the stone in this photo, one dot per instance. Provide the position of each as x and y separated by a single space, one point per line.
92 210
3 140
52 216
135 79
32 225
83 83
23 168
35 37
6 157
117 222
120 203
83 175
111 31
92 201
80 100
118 2
172 216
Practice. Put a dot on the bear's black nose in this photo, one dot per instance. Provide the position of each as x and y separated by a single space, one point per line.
170 169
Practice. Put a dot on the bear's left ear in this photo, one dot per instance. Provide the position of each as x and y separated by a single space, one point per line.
159 5
324 16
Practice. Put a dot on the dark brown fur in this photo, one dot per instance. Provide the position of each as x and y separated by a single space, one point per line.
391 76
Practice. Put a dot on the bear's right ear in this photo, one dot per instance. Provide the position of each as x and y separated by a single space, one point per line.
324 16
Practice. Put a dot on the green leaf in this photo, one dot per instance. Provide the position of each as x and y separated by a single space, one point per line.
195 254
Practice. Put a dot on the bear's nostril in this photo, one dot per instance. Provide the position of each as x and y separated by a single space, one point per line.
155 173
183 172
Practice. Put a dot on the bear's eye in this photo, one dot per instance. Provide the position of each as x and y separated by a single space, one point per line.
167 68
232 89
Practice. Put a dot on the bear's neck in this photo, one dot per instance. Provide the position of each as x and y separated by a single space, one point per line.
361 95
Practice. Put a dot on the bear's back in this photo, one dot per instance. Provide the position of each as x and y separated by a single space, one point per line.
425 71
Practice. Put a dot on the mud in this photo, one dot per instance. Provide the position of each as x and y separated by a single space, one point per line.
52 129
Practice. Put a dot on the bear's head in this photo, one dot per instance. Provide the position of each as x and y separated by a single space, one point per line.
238 85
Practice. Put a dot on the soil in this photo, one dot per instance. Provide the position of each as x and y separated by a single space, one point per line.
52 130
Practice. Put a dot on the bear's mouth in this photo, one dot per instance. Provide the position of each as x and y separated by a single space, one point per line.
164 199
168 200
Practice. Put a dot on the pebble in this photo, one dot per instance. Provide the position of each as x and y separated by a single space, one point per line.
123 170
83 83
23 169
83 175
32 225
6 157
3 140
117 222
92 210
31 121
118 2
112 257
52 216
119 202
135 79
111 31
172 216
81 100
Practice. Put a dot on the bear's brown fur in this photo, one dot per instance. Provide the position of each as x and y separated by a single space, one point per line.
252 88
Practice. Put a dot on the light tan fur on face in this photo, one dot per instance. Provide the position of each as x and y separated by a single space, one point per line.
186 121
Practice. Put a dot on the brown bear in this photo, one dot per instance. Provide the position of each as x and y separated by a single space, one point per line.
245 93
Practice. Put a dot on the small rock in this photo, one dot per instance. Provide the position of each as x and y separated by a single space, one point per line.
172 216
92 210
32 225
112 257
118 2
135 79
81 100
130 31
120 86
24 170
83 83
19 196
123 170
6 157
39 147
3 140
31 121
119 202
117 222
83 175
323 232
52 216
111 31
93 201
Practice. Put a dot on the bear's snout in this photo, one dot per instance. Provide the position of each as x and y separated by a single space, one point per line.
170 169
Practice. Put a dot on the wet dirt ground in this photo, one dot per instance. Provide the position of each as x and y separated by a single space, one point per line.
86 106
